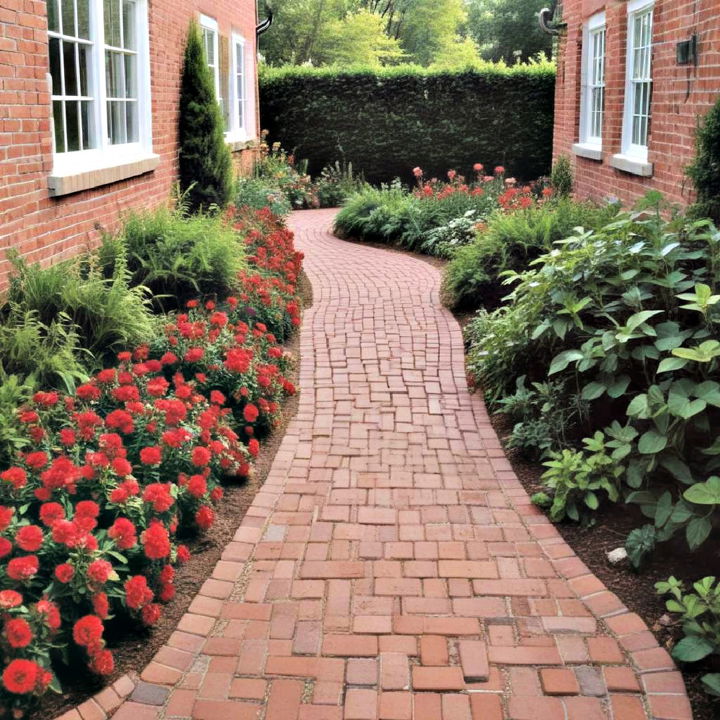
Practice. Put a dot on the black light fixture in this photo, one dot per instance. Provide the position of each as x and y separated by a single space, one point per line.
265 24
547 19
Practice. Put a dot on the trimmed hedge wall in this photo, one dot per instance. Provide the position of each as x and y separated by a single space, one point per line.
388 121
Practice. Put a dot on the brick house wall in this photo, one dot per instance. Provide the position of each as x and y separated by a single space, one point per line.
44 228
681 95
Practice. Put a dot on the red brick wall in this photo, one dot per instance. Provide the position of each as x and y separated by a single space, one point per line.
47 229
681 95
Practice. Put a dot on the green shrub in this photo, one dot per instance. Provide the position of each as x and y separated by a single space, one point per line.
561 178
626 317
376 214
387 121
76 298
700 613
205 161
178 256
510 241
336 182
279 169
258 193
705 170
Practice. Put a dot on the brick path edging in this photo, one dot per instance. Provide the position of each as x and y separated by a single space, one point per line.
358 587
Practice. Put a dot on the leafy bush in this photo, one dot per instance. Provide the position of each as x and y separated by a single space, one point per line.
178 256
205 161
700 613
407 116
705 169
279 169
625 317
561 178
257 193
336 182
445 240
510 241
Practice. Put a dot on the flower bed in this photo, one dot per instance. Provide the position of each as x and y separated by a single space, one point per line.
92 518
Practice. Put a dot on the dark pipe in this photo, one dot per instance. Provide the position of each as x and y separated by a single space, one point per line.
547 20
265 24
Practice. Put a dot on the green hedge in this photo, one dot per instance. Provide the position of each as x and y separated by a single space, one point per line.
388 121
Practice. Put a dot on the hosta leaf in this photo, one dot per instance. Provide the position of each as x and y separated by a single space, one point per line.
639 407
692 649
592 391
711 681
707 493
670 364
708 391
561 361
618 386
634 321
697 532
663 509
679 470
652 442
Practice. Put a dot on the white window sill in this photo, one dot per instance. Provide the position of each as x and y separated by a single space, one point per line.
632 165
236 143
592 152
66 181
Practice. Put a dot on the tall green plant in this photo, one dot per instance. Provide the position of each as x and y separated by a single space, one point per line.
205 162
705 169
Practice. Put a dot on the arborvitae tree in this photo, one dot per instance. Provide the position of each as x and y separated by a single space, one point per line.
205 162
705 169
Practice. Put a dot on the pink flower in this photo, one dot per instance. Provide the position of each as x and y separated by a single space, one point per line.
478 167
417 172
499 170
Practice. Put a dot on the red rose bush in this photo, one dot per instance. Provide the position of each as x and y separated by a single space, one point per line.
119 470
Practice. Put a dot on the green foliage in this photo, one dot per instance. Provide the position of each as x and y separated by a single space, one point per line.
336 183
510 241
705 169
278 168
406 116
561 177
205 162
507 29
70 305
14 393
700 614
258 193
178 256
445 240
625 318
579 479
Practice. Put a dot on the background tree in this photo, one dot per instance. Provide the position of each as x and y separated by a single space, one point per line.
508 29
205 162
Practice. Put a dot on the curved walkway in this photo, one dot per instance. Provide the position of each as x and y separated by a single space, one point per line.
392 567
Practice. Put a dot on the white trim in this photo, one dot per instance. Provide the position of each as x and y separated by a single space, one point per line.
238 131
211 24
591 152
630 149
103 154
594 42
632 165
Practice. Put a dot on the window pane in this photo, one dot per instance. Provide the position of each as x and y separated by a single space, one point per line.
71 85
129 34
53 16
68 17
111 9
130 76
55 66
83 18
59 126
85 60
131 111
116 122
73 125
87 127
114 74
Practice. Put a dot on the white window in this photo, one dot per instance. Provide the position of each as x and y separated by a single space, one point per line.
638 88
209 28
592 103
238 117
100 82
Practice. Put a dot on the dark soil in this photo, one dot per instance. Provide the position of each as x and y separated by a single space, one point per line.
134 647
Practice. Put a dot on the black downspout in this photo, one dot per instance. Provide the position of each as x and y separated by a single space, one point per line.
265 24
547 19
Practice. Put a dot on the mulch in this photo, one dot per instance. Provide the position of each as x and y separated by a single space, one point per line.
134 648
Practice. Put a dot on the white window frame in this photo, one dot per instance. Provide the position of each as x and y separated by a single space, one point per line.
211 25
105 154
594 28
237 131
630 149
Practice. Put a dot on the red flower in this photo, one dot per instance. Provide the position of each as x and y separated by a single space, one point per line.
67 437
64 572
499 170
6 515
51 512
18 633
158 494
168 358
121 420
106 376
121 466
183 553
197 486
10 599
156 541
205 517
36 460
217 398
87 508
151 455
102 662
5 547
100 603
89 392
167 592
29 538
253 447
201 456
157 387
250 413
193 355
88 630
23 568
137 592
48 399
16 476
21 676
151 614
99 571
123 532
50 611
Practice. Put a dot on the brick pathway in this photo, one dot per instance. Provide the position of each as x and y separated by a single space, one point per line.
392 567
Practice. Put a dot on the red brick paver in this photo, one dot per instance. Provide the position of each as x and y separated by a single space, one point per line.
392 566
